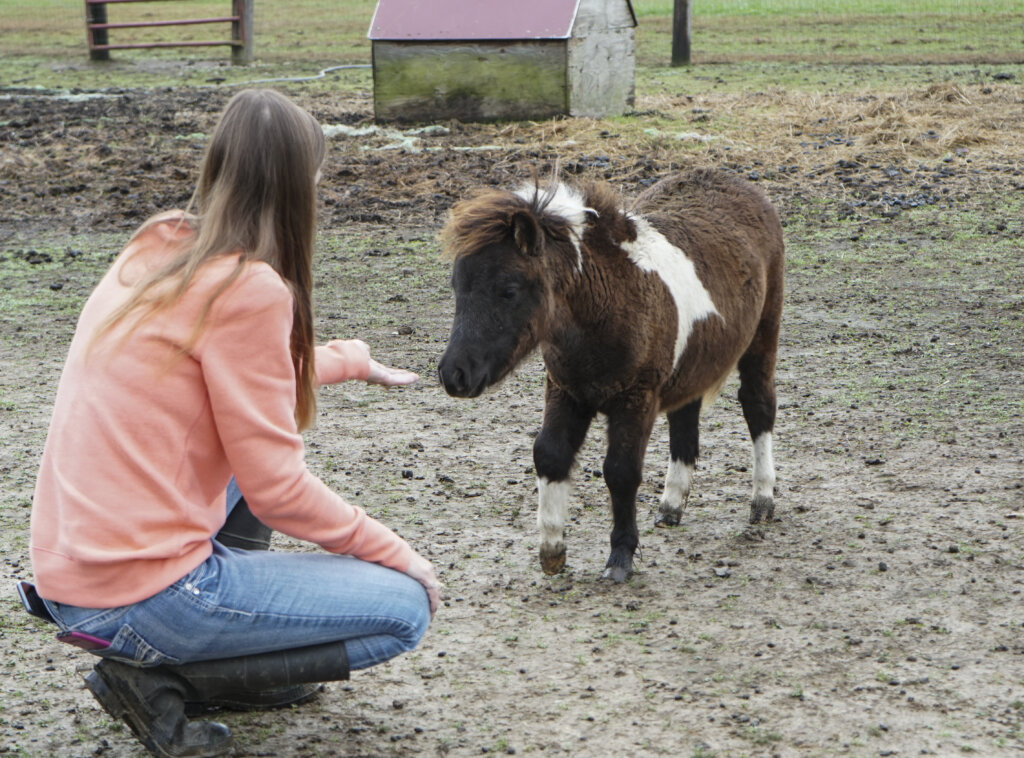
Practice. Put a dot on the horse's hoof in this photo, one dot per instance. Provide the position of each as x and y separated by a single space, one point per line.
762 510
552 559
668 518
617 574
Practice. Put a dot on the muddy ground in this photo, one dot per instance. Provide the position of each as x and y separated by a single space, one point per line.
880 614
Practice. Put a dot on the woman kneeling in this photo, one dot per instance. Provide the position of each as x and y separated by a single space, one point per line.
192 368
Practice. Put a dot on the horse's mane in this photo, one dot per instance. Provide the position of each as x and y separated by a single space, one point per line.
610 219
561 212
482 219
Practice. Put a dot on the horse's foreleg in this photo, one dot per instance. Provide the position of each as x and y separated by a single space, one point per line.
565 426
757 397
684 446
629 429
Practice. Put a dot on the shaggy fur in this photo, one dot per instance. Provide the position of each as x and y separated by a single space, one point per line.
636 312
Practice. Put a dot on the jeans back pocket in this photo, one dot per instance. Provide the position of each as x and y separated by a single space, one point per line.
128 646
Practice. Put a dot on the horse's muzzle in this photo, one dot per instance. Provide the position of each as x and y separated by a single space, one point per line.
457 383
460 378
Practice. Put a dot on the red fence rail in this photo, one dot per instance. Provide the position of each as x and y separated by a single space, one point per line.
97 27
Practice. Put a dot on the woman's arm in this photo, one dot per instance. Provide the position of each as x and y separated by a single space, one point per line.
246 363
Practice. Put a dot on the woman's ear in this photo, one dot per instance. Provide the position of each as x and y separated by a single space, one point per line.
525 232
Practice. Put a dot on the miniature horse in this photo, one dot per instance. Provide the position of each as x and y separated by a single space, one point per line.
636 312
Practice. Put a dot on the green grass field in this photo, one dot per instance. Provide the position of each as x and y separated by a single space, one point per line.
43 43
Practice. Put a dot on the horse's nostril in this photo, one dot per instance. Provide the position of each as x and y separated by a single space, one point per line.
457 384
452 378
459 379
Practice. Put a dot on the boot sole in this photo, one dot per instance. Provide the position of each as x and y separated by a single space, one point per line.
256 701
117 710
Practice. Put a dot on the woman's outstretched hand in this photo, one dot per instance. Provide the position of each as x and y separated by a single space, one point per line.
341 360
389 377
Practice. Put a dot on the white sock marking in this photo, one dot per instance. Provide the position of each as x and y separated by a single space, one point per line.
764 466
678 482
652 252
552 510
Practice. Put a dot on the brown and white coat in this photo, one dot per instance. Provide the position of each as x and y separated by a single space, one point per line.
636 311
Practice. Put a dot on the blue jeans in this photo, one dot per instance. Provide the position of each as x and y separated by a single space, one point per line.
242 602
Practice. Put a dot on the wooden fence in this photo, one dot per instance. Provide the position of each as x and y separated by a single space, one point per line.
98 27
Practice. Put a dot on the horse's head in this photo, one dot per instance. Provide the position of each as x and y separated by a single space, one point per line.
513 254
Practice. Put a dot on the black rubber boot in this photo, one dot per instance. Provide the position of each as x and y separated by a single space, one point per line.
243 530
152 702
222 679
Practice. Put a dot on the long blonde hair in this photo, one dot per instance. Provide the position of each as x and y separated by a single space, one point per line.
256 196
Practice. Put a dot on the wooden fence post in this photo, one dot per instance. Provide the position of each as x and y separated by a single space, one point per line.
681 33
97 14
242 29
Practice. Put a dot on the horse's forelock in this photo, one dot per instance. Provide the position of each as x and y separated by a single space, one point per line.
482 219
486 217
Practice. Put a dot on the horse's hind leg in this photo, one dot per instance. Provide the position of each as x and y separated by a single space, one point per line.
757 398
564 428
629 429
684 446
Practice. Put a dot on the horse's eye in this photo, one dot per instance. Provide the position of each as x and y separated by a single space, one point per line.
509 293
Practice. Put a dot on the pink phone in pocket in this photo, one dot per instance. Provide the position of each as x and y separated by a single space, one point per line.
84 641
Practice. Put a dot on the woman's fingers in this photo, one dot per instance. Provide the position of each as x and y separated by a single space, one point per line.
389 377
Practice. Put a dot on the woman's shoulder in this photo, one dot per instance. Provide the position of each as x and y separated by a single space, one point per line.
169 226
244 285
160 237
253 274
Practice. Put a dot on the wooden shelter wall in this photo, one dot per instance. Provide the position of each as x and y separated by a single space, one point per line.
470 81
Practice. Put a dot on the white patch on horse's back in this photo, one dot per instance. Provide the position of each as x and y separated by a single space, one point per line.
651 251
565 202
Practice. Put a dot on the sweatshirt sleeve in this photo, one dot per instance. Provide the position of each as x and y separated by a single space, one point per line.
246 363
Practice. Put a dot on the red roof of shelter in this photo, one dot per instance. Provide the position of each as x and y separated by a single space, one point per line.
473 19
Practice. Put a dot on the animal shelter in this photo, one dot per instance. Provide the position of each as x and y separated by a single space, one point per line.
494 60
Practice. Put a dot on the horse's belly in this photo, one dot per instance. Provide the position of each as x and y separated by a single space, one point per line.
704 365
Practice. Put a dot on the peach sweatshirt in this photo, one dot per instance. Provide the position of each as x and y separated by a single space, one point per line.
144 439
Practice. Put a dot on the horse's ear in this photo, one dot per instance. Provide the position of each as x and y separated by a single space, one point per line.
525 232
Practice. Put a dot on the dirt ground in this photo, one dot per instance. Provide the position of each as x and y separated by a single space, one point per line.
882 612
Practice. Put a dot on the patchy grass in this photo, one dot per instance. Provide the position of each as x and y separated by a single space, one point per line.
865 31
43 43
